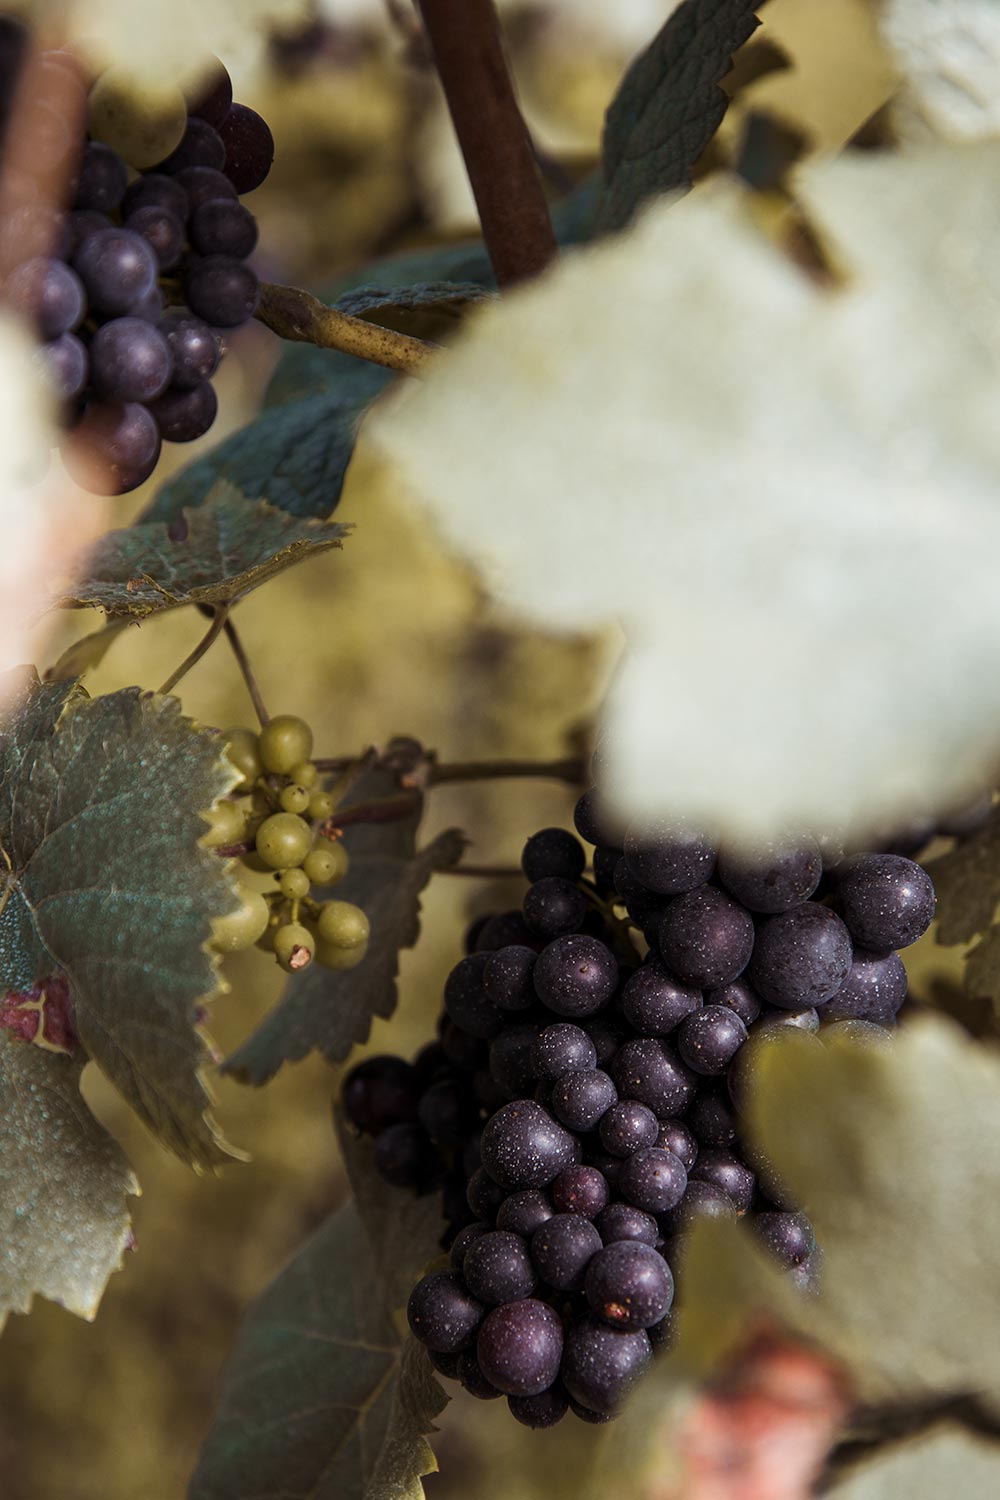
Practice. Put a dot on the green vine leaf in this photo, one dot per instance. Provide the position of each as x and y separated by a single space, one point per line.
64 1223
670 105
319 1400
967 883
404 1230
213 554
330 1012
105 885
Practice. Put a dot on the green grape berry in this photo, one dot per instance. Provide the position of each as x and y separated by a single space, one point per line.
294 884
243 927
294 799
304 774
283 841
330 957
326 864
143 122
241 748
294 946
341 924
227 825
320 807
284 742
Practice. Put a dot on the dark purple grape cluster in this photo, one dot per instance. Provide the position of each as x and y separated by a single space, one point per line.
582 1104
134 281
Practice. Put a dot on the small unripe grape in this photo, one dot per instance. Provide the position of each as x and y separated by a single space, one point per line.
141 122
227 825
283 841
252 861
326 864
340 958
243 927
320 806
243 755
304 774
284 742
294 884
343 925
294 946
294 799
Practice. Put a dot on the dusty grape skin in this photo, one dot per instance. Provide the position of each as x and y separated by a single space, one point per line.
676 1136
874 990
524 1146
788 1236
628 1126
650 1071
463 1240
560 1049
483 1195
800 958
379 1092
524 1212
575 975
726 1171
553 851
519 1347
498 1268
668 859
629 1285
712 1120
117 268
653 1179
886 900
562 1249
580 1190
706 938
623 1221
507 977
467 1003
655 1002
737 996
601 1364
710 1039
780 877
406 1158
553 907
510 1058
581 1099
540 1411
472 1378
442 1314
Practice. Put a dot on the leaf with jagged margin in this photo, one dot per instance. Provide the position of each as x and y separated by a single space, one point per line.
330 1012
104 882
64 1223
948 1460
215 553
319 1401
670 105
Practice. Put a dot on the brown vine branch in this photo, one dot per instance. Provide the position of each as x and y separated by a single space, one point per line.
301 317
208 640
569 769
379 810
468 50
485 872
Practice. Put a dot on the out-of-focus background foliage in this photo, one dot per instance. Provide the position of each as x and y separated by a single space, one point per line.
387 636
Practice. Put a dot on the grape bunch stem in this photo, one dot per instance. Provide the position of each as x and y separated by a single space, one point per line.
300 317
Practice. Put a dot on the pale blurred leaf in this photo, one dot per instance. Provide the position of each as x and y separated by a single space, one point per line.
763 478
948 53
945 1461
64 1224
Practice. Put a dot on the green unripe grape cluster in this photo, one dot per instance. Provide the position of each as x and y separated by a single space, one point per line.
271 819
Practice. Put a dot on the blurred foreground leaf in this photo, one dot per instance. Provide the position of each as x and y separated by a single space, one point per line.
64 1224
945 1461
